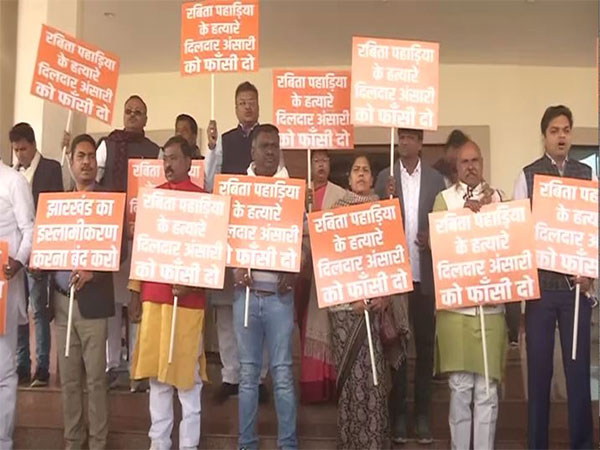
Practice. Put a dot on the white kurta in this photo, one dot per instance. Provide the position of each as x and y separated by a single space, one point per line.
16 227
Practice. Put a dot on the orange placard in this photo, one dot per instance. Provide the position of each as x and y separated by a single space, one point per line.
565 211
219 36
3 286
483 258
359 252
265 224
395 83
151 173
75 74
78 230
180 238
311 108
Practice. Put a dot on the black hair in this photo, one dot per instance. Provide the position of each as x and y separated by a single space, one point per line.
137 97
363 155
189 119
184 145
456 139
418 133
552 112
246 86
79 139
319 152
20 131
263 128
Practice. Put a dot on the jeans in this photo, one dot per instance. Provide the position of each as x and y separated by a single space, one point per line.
38 300
270 319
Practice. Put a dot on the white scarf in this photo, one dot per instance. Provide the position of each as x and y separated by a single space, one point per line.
281 171
30 171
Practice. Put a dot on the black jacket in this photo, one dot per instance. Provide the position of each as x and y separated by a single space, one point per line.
47 178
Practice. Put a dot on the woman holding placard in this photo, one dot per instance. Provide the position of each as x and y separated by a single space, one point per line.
363 417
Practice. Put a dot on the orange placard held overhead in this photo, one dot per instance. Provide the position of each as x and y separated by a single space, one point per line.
180 238
75 74
78 230
311 108
265 224
3 286
359 252
395 84
483 258
151 173
565 211
219 36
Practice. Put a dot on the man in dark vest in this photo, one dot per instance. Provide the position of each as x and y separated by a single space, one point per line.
94 304
113 155
557 305
43 175
231 154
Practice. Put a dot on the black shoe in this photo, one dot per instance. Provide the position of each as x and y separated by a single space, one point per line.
139 386
424 435
112 379
41 378
24 377
225 391
399 434
263 394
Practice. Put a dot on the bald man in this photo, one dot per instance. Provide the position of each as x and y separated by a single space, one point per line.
458 335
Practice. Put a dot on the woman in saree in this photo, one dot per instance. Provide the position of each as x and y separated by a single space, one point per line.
363 416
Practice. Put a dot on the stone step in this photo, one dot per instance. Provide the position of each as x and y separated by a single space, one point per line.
51 439
42 408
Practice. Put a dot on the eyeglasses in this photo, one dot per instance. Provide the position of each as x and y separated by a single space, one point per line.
135 112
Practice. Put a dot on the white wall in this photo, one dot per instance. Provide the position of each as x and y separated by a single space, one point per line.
508 99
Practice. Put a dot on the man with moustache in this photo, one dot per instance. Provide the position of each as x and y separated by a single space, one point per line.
94 304
556 305
458 331
270 321
151 358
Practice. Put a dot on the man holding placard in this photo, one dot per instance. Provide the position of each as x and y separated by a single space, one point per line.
557 304
231 154
270 320
16 228
94 304
459 339
151 357
417 185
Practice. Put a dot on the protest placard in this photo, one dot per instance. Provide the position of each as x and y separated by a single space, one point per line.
311 108
265 225
180 238
483 258
75 74
565 212
395 83
78 230
219 36
359 252
150 173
